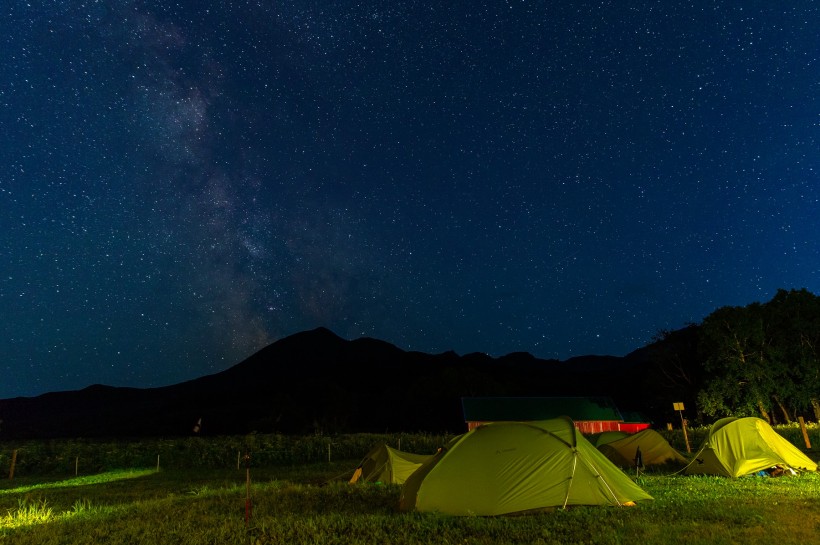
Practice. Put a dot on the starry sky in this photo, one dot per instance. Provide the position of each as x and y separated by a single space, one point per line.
183 183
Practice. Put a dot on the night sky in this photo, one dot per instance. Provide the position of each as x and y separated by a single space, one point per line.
183 183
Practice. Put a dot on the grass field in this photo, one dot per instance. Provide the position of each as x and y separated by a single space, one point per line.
312 504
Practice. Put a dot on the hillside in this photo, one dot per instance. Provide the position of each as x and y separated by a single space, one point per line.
315 381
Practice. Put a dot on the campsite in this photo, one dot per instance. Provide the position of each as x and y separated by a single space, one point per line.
296 490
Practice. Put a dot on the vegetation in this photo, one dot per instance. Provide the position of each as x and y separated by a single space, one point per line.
73 457
313 504
66 458
203 499
759 360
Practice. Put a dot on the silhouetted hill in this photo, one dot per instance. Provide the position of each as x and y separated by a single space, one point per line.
316 381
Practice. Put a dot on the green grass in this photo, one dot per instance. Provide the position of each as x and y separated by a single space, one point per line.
313 504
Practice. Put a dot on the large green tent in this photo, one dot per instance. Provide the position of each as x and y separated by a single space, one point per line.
512 467
654 449
742 446
384 464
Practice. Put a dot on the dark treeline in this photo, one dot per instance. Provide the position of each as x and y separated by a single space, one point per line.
757 360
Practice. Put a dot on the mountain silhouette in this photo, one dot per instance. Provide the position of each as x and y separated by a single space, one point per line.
317 382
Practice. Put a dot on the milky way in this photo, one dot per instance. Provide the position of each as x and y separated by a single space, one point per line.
182 185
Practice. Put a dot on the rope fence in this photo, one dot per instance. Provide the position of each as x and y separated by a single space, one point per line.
87 456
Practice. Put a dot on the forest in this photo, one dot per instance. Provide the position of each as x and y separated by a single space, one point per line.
757 360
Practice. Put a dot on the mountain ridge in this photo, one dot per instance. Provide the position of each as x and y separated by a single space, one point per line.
315 381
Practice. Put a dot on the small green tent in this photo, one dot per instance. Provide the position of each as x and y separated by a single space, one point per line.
655 450
605 437
512 467
384 464
742 446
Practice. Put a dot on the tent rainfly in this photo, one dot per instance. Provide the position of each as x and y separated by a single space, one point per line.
514 467
654 449
743 446
605 437
384 464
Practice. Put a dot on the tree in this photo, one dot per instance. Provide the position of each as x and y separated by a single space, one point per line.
735 342
795 316
672 369
763 359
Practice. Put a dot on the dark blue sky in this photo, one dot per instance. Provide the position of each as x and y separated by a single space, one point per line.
183 184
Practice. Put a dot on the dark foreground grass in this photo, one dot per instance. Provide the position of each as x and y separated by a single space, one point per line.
313 504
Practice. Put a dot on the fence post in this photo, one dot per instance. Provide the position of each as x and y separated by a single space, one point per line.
805 433
13 462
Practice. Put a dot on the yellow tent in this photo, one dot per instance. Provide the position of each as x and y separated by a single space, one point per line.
743 446
654 449
385 464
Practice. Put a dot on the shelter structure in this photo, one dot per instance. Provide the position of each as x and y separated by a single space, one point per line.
517 467
384 464
653 449
590 414
743 446
605 437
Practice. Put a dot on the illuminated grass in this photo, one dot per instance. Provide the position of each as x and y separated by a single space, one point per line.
27 513
300 505
31 510
101 478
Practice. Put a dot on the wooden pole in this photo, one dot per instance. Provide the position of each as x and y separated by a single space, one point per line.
157 462
248 507
678 406
805 433
247 495
13 463
685 435
76 466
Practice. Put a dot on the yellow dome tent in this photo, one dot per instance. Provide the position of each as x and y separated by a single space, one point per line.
743 446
